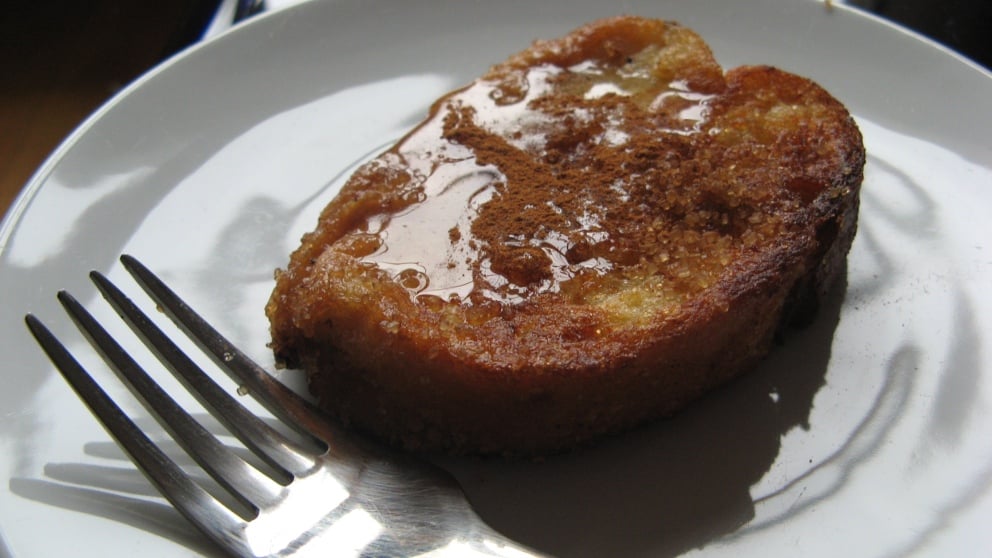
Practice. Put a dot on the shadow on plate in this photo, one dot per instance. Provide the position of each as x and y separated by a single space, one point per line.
671 486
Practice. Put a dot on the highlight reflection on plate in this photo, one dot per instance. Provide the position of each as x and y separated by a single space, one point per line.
865 434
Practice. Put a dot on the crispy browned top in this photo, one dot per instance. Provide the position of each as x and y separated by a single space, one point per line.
584 191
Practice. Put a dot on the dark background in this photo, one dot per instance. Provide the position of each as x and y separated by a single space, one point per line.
962 25
59 60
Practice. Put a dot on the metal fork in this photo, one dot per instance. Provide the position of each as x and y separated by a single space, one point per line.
326 492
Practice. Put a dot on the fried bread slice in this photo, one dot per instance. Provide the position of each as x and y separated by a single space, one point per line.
591 235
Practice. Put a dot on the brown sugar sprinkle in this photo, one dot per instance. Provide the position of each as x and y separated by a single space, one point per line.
555 174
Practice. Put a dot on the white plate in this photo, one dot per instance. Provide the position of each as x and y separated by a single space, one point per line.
867 434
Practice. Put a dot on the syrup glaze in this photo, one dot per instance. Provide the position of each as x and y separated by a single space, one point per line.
577 176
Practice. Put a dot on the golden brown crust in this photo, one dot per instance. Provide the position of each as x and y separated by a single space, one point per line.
613 225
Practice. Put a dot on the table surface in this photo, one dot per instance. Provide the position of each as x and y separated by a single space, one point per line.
62 60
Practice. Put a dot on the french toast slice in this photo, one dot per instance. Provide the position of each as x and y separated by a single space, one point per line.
591 235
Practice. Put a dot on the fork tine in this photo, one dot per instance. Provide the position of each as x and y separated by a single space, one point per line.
250 487
279 399
355 495
270 445
196 504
